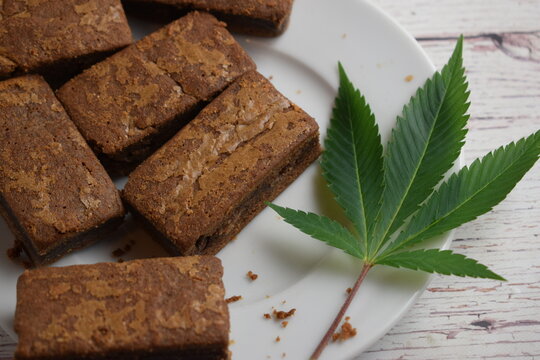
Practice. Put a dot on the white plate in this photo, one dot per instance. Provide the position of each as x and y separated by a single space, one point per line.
294 270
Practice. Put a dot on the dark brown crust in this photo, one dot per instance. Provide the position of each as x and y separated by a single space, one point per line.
131 103
166 308
201 188
59 38
266 18
65 246
54 193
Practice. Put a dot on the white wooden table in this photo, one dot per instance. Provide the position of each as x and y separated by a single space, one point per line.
469 318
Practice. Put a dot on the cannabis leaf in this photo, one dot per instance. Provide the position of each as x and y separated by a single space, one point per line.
383 194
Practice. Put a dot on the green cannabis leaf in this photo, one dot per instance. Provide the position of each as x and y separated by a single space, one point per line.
391 200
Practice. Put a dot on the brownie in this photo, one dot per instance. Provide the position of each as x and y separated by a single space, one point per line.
253 17
131 103
203 186
161 308
54 193
58 38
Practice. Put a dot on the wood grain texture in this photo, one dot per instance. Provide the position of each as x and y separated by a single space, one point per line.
442 18
470 318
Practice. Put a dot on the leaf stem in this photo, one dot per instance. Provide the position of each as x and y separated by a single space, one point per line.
326 338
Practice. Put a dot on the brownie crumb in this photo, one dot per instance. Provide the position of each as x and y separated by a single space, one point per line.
346 332
14 253
284 324
267 316
348 290
409 78
278 339
118 252
283 355
232 299
344 36
252 275
124 250
283 314
283 302
271 77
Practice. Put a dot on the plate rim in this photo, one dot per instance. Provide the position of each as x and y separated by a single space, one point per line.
448 237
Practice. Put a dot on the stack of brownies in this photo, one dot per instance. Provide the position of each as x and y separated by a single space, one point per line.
203 137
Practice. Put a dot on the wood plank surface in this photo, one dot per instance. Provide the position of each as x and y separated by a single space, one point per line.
470 318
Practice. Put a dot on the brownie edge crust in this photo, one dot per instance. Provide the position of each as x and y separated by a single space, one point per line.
268 18
203 186
161 308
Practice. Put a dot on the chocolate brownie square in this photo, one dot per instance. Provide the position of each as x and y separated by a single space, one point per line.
58 38
54 193
162 308
203 186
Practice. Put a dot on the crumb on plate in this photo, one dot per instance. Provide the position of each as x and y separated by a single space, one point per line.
232 299
283 314
252 275
15 252
123 250
346 332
